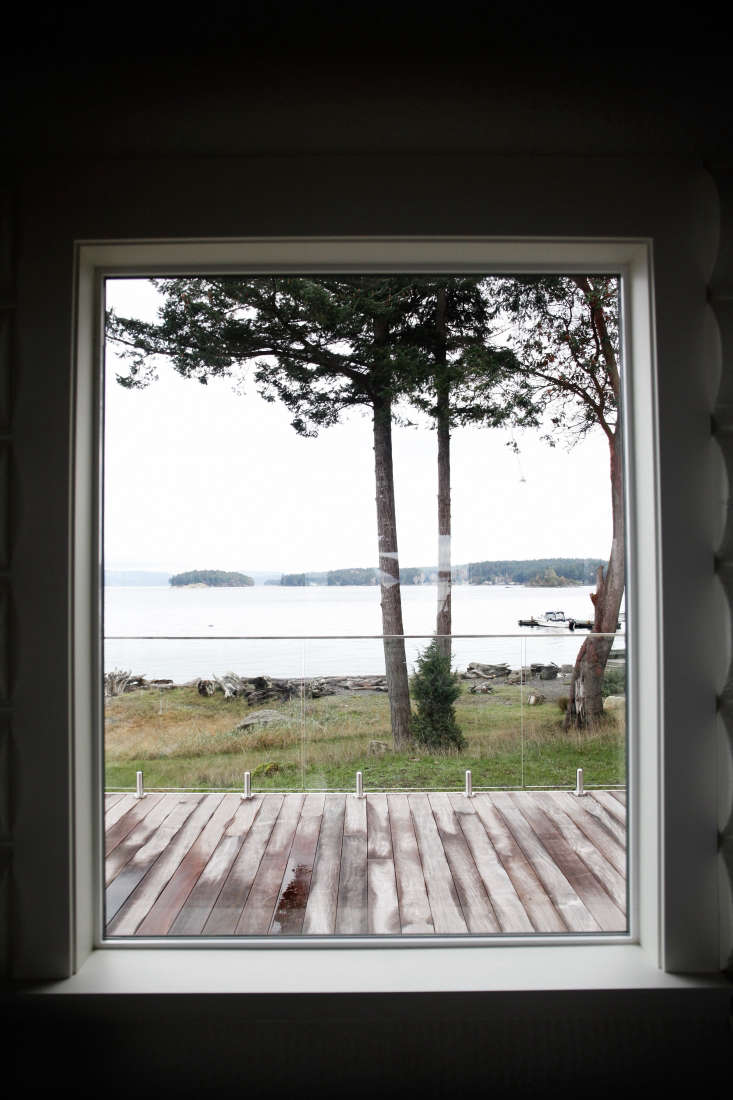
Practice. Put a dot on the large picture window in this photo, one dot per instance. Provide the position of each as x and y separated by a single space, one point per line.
420 748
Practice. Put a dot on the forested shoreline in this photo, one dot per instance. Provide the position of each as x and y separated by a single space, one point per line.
536 572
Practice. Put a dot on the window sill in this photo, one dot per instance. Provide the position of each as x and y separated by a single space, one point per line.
351 970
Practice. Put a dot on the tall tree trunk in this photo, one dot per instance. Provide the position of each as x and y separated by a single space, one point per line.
586 698
389 576
443 624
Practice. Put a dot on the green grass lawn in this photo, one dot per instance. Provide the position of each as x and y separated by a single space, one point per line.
181 739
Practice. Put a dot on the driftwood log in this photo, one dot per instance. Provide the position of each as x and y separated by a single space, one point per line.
264 689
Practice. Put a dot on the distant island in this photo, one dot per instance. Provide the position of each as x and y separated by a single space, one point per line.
211 578
535 572
549 579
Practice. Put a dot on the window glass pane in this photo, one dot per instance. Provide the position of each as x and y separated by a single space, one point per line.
365 663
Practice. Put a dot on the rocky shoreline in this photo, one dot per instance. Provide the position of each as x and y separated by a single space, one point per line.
552 678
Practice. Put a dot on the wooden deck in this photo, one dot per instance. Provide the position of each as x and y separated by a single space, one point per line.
386 864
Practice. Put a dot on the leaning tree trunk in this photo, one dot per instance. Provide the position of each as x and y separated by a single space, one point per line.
586 695
389 577
443 623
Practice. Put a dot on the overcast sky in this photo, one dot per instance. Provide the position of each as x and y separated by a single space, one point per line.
199 477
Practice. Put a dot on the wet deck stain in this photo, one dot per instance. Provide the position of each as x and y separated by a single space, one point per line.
290 910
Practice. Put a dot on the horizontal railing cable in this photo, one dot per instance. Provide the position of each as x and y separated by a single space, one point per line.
334 637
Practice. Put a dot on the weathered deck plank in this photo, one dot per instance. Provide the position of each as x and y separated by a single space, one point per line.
116 833
135 840
120 808
564 897
141 900
295 886
615 808
582 874
605 842
531 892
228 906
352 916
510 913
320 912
387 864
170 901
478 911
445 905
199 903
260 904
610 822
604 871
175 810
382 901
415 914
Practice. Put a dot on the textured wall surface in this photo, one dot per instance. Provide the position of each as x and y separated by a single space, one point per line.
7 312
721 302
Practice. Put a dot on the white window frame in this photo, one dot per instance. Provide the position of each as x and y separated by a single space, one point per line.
525 962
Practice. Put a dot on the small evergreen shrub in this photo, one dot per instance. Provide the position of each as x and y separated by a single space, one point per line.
435 689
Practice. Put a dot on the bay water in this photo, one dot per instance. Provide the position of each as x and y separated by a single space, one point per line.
186 625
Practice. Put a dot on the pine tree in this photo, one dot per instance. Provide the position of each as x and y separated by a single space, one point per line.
321 346
435 689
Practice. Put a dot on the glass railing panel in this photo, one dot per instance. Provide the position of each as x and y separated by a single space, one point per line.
196 714
555 743
489 711
309 713
347 717
348 724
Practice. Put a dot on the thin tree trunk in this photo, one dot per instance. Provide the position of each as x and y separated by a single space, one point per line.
389 577
586 698
443 624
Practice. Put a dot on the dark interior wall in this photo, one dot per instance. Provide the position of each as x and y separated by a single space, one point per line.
404 1045
317 141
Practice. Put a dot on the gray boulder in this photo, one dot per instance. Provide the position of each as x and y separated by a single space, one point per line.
260 718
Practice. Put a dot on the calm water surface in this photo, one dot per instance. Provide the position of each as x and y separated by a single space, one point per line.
271 610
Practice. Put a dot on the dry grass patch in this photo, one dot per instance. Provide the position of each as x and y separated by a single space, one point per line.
183 739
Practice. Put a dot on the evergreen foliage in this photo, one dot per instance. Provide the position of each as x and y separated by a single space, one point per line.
537 571
214 578
435 689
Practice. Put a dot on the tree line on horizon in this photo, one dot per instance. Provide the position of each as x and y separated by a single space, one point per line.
459 349
580 571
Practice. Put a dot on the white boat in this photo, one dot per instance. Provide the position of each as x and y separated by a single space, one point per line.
559 622
556 621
